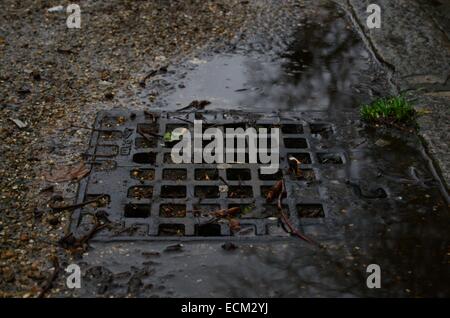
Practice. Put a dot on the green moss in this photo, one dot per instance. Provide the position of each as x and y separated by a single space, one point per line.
391 110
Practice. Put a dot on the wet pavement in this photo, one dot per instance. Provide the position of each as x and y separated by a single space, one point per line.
385 206
321 65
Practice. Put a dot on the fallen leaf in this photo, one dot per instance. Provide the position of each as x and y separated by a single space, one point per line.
168 136
67 173
175 135
274 192
226 212
294 163
247 209
234 224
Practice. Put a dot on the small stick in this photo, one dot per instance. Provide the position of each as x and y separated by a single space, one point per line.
223 180
146 77
219 214
286 219
183 119
49 284
97 227
76 206
150 133
226 212
277 189
76 243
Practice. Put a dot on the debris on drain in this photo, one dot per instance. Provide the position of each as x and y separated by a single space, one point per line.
133 182
67 173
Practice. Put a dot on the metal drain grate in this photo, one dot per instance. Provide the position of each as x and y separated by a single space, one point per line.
157 199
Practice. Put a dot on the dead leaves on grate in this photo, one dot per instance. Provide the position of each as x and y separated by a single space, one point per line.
231 212
228 214
234 224
274 192
295 164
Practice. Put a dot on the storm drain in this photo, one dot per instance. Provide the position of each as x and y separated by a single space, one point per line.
150 197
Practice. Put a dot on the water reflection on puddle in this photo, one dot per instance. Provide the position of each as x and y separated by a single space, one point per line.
326 67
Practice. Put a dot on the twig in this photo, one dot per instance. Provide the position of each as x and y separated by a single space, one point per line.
219 214
76 206
49 284
277 189
146 77
285 219
150 133
183 119
199 105
226 212
70 241
297 172
223 180
97 227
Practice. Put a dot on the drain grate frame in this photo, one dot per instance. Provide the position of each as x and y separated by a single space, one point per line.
141 181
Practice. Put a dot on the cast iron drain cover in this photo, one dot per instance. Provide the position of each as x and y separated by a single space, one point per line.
149 197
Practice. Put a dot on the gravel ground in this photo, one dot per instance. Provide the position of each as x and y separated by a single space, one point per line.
55 80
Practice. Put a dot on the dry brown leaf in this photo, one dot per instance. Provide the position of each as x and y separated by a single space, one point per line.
67 173
234 224
226 212
274 192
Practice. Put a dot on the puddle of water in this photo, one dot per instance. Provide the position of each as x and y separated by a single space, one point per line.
325 68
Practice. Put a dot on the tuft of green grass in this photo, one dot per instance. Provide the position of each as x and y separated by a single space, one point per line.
391 110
